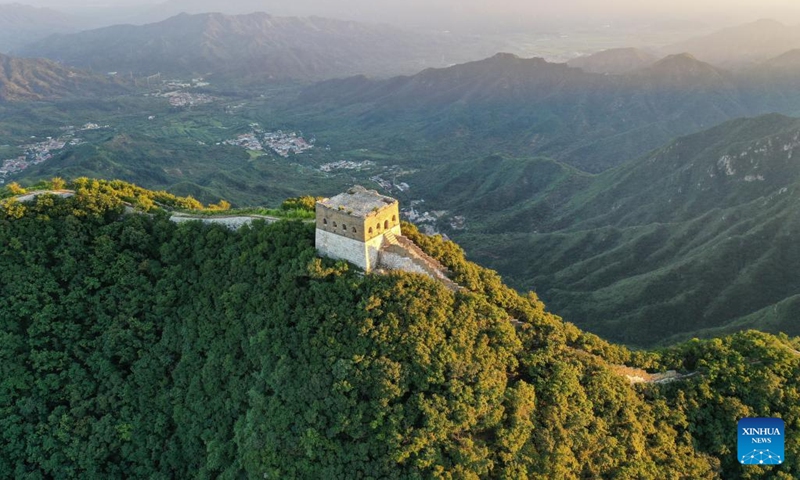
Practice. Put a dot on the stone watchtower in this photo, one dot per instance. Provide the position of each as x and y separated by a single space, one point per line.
354 225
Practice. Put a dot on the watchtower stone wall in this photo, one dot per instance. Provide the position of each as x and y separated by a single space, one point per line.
363 227
351 226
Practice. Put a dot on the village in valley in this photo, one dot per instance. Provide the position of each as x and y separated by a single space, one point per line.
38 152
186 99
175 91
280 142
258 141
346 165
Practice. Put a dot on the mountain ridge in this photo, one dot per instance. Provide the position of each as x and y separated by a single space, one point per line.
614 61
789 60
251 47
741 46
537 108
21 24
40 79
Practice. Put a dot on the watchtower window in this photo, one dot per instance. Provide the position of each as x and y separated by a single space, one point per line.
386 224
354 229
324 221
344 227
378 226
334 224
370 230
394 218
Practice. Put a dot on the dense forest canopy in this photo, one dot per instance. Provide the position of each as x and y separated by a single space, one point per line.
131 346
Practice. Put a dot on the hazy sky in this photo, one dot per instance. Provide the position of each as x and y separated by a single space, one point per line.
446 13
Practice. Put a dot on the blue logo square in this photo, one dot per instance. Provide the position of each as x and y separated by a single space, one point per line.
761 441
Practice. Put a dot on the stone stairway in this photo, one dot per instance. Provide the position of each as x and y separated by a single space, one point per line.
405 242
403 247
390 238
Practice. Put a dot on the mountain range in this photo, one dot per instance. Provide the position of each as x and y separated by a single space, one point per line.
22 24
259 47
254 47
644 199
741 46
507 104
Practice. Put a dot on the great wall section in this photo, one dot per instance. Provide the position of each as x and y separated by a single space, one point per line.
386 250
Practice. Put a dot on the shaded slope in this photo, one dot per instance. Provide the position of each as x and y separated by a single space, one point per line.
786 60
532 107
776 78
697 235
684 71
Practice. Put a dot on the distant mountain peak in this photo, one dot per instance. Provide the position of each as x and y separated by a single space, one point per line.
511 60
679 57
505 64
505 56
251 47
742 45
21 24
683 67
614 61
768 22
790 59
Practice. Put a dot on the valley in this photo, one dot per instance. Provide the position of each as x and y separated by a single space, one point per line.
547 222
543 171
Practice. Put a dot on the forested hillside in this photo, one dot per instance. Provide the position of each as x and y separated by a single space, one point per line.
695 238
134 347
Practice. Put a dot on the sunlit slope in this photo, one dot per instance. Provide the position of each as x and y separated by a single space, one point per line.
136 347
24 79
